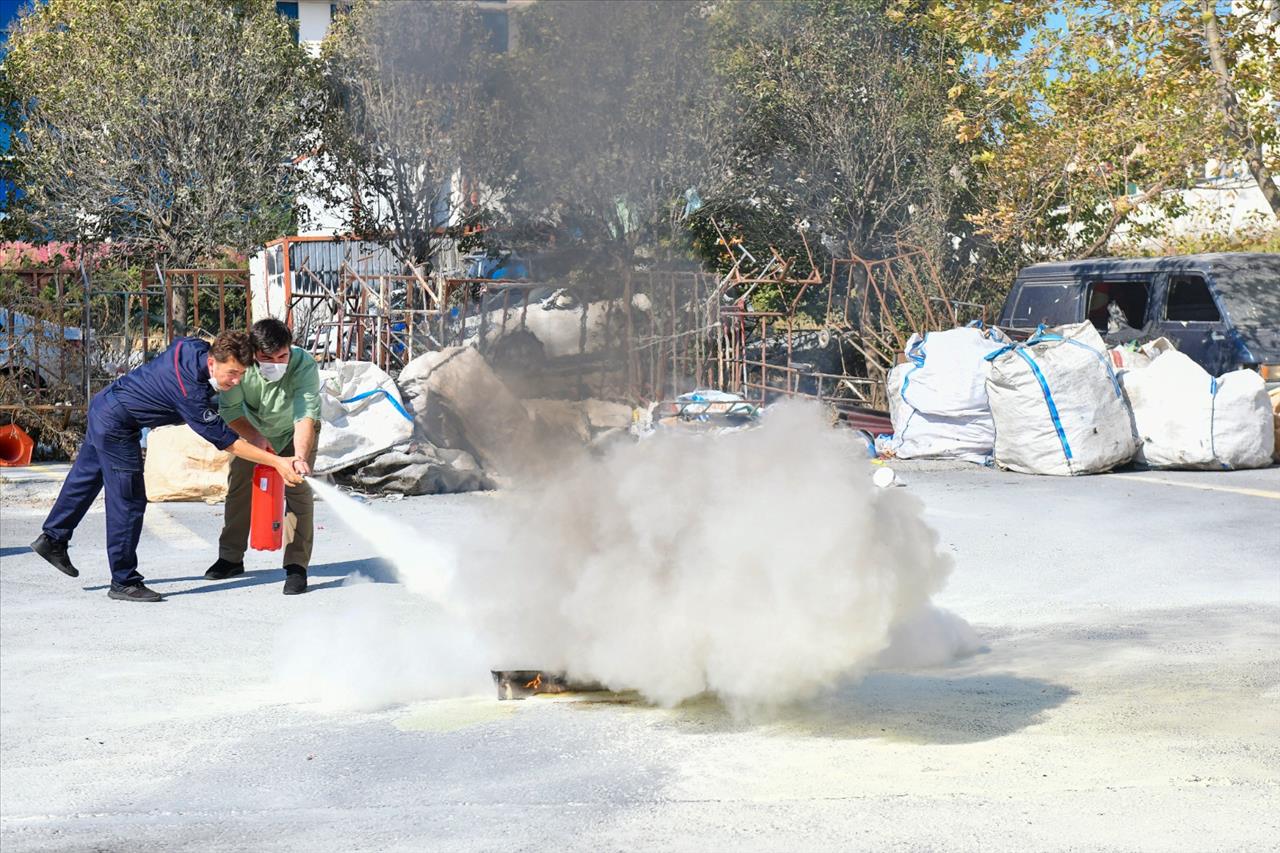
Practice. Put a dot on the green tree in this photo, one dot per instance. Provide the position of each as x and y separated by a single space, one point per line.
836 115
168 125
610 107
10 177
1096 114
406 138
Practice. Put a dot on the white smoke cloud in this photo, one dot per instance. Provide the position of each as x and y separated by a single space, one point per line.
372 652
760 566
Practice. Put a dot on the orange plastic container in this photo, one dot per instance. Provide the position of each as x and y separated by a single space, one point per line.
15 446
266 512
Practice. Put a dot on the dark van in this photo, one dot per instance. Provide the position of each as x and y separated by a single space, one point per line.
1222 310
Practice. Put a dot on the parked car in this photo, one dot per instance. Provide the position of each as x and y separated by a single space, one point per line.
1222 310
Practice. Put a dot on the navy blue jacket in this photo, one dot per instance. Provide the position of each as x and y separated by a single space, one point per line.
174 388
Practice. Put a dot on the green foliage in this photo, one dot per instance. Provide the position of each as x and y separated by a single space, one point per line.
169 125
1095 117
984 133
1266 240
610 111
835 117
408 108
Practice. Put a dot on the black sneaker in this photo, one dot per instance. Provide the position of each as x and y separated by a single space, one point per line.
56 554
295 580
223 569
133 592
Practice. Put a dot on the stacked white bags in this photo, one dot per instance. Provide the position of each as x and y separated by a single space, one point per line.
1057 405
1185 418
938 399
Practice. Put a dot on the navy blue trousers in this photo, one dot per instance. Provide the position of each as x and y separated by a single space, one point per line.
112 458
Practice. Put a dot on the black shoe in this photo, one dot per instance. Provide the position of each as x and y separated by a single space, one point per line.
133 592
295 580
56 554
223 569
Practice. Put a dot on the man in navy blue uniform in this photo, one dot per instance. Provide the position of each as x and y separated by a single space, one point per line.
178 386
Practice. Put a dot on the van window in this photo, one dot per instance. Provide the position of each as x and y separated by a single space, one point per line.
1129 309
1051 304
1190 300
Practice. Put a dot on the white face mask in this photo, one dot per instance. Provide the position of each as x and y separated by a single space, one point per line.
272 370
214 383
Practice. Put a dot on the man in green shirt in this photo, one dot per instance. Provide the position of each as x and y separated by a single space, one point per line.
275 407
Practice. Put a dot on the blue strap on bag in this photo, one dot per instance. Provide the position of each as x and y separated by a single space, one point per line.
399 408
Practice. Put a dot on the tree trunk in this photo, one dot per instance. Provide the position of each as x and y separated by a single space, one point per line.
1236 121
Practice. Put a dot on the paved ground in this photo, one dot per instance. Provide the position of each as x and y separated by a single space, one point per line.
1128 698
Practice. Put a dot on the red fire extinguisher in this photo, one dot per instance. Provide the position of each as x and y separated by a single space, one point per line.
266 511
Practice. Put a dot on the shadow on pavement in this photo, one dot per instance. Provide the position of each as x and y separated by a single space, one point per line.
376 570
896 706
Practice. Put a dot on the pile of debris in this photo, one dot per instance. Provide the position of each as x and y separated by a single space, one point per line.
1062 403
449 424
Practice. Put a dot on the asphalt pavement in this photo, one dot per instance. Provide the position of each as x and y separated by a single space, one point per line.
1127 697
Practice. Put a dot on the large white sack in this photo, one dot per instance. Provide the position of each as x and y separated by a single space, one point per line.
1057 405
938 399
372 420
182 466
1186 418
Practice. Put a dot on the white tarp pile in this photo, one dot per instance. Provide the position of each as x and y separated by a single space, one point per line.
418 469
1185 418
938 398
1057 404
182 466
363 415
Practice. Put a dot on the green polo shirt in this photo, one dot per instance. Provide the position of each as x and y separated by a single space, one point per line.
274 407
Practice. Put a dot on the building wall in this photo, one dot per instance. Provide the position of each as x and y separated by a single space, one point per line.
313 22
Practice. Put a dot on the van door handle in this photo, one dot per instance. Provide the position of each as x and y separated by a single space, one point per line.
1217 336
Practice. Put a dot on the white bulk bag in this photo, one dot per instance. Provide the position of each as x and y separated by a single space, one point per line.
1185 418
1057 404
363 415
938 399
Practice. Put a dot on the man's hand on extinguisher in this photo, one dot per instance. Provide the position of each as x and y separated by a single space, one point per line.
300 465
286 465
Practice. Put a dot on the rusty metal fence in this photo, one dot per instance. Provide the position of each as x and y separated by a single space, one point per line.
768 328
66 333
787 328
